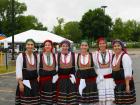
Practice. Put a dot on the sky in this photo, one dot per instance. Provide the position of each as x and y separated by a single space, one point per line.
46 11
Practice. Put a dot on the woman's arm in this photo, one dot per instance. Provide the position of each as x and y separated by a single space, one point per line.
127 65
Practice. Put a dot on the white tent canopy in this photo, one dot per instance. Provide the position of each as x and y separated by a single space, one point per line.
37 35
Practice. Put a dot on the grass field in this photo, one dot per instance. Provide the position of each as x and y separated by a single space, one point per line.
3 69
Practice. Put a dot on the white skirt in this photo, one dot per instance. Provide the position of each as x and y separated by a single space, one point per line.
106 89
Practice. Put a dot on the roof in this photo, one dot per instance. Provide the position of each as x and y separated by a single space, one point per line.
37 35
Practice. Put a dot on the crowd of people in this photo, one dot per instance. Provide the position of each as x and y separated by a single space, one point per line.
101 77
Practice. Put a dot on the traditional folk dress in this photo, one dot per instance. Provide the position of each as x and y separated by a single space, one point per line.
66 86
122 69
26 69
47 70
86 72
105 82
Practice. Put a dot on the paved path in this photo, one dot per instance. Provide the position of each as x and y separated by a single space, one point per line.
7 89
8 83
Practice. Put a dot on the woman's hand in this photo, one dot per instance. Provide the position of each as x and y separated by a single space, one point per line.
38 78
128 89
21 87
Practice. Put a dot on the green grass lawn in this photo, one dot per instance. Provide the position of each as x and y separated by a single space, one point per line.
9 69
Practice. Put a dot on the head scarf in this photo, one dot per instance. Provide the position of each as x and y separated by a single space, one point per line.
101 39
121 43
65 42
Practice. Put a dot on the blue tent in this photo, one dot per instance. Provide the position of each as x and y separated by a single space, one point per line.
1 34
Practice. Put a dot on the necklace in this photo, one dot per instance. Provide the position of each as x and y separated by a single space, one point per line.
103 58
48 58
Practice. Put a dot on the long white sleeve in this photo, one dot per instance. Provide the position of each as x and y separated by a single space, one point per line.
127 65
95 60
38 63
19 66
56 58
76 58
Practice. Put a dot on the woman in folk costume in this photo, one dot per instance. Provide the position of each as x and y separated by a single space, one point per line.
66 84
26 74
47 75
105 83
123 75
86 77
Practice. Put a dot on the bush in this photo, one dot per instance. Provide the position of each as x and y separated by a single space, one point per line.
133 45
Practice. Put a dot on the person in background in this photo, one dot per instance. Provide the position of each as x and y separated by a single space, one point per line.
105 83
125 93
27 92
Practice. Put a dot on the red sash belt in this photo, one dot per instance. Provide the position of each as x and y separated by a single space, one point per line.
119 81
64 76
90 79
108 76
46 78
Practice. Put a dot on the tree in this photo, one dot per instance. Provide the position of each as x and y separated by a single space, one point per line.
72 31
117 29
58 29
22 23
136 34
28 22
5 9
129 27
95 23
127 31
6 14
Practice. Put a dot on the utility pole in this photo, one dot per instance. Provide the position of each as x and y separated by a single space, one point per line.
104 7
13 26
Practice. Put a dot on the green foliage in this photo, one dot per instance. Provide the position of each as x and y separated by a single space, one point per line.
117 30
6 9
58 28
8 70
60 20
72 31
127 31
28 22
95 23
133 45
22 23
